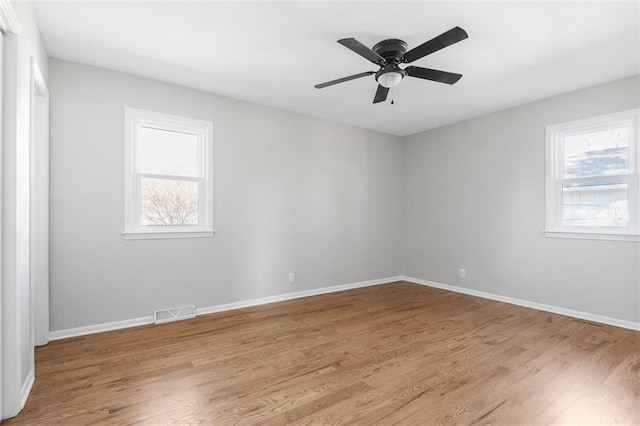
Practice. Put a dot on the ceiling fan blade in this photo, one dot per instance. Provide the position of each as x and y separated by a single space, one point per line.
343 79
381 94
433 75
445 39
362 50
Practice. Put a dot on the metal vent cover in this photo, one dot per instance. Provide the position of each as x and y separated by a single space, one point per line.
174 314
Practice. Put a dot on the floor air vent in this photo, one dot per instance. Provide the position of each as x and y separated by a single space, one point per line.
174 314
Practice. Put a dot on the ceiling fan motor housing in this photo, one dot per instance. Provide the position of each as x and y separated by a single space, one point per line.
391 49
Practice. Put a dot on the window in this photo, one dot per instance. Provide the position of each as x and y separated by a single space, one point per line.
168 176
592 178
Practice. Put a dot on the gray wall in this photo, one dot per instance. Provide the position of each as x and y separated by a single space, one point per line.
474 199
335 204
292 194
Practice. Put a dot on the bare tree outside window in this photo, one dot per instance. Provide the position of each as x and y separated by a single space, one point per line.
169 202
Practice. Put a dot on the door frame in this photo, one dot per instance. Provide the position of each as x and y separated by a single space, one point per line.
39 206
12 391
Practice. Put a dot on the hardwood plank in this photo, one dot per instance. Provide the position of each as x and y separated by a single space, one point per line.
391 354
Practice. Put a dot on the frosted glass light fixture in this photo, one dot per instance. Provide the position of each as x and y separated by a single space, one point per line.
390 79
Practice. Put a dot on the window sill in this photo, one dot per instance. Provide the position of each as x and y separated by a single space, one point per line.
592 236
167 235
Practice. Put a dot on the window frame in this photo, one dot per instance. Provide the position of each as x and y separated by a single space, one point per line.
555 179
133 228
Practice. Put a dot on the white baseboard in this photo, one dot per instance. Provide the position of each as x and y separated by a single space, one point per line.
134 322
26 388
99 328
294 295
528 304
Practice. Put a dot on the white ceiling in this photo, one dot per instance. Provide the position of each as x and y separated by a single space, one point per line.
272 53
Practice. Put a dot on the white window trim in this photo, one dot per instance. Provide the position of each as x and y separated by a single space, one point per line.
553 228
204 129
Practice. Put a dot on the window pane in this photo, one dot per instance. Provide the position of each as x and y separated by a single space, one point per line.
167 152
595 205
598 153
169 202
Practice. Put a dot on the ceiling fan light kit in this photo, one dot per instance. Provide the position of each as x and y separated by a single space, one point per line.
389 54
390 79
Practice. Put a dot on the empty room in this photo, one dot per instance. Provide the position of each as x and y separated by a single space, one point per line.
319 212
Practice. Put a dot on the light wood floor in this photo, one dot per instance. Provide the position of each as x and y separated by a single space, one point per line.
391 354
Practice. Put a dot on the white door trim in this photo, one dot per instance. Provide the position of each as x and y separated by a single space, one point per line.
1 139
13 388
8 20
11 340
39 208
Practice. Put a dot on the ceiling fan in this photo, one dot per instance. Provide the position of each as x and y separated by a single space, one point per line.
389 54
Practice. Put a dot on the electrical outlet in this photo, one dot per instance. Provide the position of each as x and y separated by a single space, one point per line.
292 277
463 273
